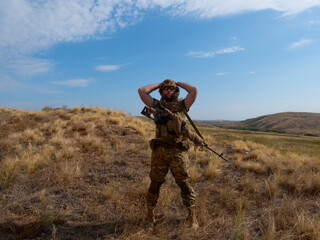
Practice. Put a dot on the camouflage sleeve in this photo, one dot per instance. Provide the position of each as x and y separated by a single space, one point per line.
184 105
192 136
156 103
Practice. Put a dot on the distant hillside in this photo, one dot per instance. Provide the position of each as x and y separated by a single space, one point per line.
290 122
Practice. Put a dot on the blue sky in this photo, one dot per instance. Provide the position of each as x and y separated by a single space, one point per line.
248 58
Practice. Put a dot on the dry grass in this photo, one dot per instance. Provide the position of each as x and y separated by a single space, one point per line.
8 170
240 146
82 173
194 174
108 193
213 169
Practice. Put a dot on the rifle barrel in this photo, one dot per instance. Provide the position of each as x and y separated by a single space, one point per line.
220 155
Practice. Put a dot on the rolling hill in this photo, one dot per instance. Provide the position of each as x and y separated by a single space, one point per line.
289 122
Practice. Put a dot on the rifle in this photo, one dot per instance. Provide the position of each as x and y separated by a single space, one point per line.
220 155
197 131
148 111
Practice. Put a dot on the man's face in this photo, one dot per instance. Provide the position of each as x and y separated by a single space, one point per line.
168 92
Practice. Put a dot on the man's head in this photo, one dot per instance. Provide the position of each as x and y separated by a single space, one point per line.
169 90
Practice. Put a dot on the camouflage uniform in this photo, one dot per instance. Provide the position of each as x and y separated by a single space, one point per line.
169 151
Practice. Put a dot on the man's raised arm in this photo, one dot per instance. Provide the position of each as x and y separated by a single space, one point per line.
145 91
192 93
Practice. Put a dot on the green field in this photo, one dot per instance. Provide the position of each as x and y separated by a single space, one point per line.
285 143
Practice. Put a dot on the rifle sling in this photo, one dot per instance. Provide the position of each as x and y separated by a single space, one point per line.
197 131
193 125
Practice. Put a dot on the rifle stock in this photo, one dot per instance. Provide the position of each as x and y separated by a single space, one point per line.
147 112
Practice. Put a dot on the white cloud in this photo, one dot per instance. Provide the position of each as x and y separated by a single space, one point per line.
7 82
74 82
223 73
230 50
210 8
108 68
28 27
29 66
201 54
294 7
252 72
300 43
216 52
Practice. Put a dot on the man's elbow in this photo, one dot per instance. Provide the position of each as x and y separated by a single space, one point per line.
195 91
140 91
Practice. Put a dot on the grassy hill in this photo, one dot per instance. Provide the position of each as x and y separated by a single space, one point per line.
82 173
290 122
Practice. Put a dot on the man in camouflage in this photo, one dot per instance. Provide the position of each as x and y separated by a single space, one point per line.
169 148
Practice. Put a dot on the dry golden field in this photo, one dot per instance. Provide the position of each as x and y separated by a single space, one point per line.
82 173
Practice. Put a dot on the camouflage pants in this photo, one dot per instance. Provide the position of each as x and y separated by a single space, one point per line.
176 160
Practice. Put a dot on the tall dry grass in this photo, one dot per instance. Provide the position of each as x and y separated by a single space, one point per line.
82 173
56 135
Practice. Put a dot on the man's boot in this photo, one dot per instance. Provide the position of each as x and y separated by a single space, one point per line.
150 219
192 219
